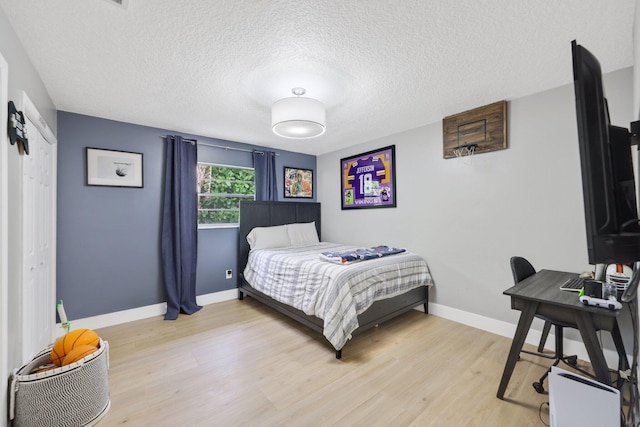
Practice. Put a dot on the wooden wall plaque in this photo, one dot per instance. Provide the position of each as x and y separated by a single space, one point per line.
483 129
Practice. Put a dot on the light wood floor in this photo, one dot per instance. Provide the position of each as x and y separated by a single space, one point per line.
238 363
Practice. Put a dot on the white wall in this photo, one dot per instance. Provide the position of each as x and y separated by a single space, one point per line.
636 67
468 220
22 77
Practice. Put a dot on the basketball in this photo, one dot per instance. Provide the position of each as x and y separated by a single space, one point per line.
57 353
71 340
78 353
79 337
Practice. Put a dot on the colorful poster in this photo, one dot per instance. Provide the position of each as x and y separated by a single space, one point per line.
368 179
298 182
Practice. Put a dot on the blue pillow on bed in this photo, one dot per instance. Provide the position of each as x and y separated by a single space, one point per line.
268 237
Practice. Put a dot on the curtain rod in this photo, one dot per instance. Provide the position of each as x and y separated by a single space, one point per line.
223 146
231 148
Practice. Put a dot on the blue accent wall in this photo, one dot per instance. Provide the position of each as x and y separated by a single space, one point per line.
109 237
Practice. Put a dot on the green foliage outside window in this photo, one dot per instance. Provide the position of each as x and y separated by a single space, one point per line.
220 189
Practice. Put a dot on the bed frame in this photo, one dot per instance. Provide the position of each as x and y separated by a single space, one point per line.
265 214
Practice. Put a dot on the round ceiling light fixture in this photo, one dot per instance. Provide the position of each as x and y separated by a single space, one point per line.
298 117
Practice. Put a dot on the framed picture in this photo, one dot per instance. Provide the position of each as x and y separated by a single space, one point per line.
298 183
369 179
114 168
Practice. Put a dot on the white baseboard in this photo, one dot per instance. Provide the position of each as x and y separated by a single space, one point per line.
124 316
488 324
217 297
508 330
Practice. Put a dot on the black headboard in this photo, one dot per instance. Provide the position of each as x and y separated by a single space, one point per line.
266 214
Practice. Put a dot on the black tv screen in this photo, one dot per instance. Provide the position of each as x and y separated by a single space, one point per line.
611 216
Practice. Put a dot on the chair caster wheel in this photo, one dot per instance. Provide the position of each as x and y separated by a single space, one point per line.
538 387
573 361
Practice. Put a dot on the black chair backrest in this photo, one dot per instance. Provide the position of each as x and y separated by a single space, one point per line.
521 269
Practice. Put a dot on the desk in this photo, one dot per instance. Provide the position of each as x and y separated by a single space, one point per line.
541 294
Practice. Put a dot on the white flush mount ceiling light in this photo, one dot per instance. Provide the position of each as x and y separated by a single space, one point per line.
298 117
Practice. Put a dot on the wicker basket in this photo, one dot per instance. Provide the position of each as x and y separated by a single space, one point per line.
69 396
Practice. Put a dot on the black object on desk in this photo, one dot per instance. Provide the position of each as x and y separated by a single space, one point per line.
540 294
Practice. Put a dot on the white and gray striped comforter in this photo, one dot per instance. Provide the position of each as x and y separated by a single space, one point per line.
335 293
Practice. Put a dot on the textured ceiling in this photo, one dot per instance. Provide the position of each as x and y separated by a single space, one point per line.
214 68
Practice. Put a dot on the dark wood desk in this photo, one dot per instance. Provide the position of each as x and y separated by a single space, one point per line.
541 294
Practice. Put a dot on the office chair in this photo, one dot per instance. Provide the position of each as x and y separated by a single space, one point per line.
521 269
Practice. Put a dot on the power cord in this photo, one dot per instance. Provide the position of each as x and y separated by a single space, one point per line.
540 412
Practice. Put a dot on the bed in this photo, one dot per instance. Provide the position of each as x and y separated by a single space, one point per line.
273 214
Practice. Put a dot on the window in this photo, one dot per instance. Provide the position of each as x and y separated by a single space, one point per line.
220 189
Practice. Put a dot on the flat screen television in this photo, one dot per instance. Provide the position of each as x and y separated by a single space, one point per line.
606 159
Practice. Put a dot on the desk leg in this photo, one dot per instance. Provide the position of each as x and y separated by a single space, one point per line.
590 340
623 362
526 317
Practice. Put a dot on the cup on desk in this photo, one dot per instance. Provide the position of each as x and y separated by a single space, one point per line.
609 291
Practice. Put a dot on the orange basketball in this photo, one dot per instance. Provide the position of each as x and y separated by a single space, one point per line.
78 353
71 340
57 353
79 337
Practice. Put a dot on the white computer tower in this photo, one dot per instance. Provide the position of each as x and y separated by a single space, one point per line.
577 401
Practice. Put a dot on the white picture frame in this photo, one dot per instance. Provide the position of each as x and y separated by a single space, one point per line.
113 168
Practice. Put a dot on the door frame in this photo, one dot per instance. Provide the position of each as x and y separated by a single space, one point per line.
4 230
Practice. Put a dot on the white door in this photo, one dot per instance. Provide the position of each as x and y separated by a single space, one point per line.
38 233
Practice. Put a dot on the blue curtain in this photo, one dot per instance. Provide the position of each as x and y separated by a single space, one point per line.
264 164
180 227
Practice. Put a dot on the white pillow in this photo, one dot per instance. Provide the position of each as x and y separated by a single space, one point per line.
303 234
268 237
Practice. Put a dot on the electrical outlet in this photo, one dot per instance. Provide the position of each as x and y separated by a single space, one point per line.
229 274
